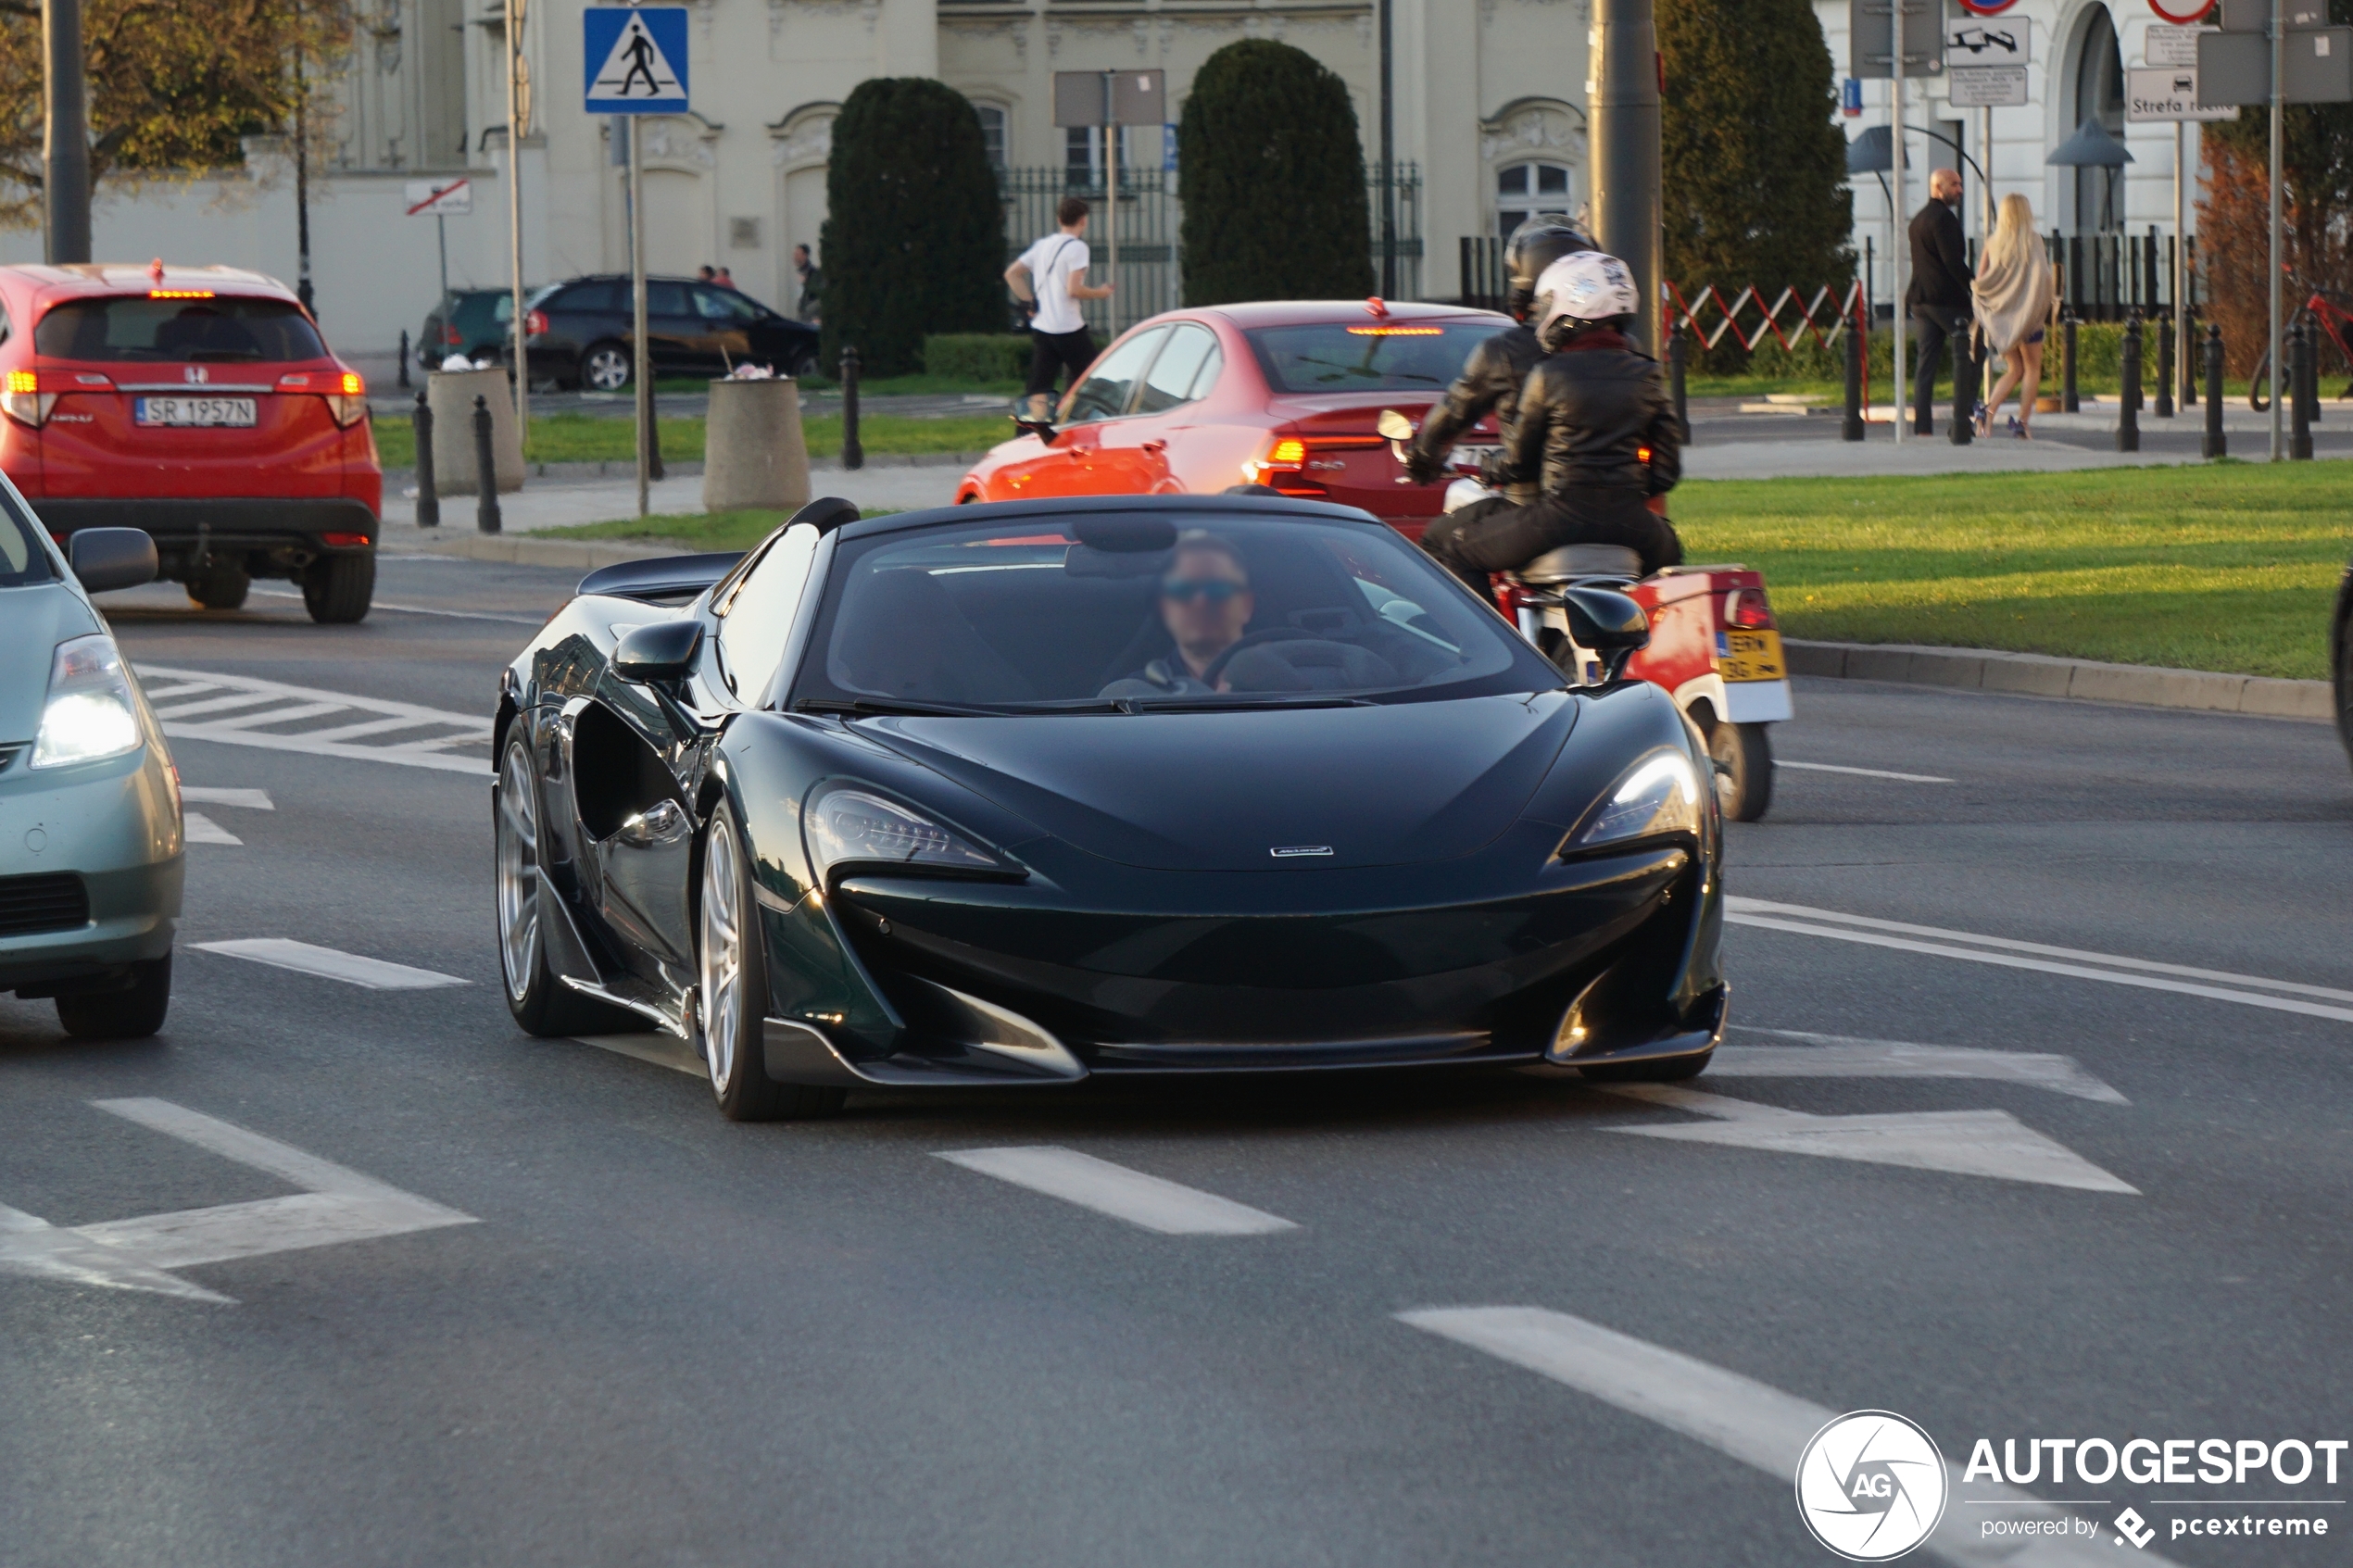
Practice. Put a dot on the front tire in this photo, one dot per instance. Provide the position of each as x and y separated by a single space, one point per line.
606 366
542 1004
1743 759
132 1015
337 589
735 991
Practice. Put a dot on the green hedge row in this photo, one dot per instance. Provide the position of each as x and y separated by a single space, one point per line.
2099 353
977 355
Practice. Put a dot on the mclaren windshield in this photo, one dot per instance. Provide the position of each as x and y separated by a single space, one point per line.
1141 611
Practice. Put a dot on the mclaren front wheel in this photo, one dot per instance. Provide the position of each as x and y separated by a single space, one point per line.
733 993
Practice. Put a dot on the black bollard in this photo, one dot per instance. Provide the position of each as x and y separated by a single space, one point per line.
2189 368
403 382
2069 402
2216 444
1851 427
485 470
428 493
2299 348
1964 389
2164 369
2128 402
1678 358
853 454
2309 383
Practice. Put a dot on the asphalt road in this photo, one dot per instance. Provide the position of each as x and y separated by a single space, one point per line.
665 1338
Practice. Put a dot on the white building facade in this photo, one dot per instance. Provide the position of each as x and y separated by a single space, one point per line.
1487 105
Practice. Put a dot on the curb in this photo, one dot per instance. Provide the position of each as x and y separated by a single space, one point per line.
2034 674
521 549
401 479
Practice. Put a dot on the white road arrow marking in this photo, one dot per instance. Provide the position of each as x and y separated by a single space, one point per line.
1845 1056
1157 1205
197 828
1969 1143
373 974
336 1204
1755 1423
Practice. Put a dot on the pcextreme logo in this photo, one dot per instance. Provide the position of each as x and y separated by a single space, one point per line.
1872 1486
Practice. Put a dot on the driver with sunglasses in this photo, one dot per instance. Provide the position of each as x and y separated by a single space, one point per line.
1204 602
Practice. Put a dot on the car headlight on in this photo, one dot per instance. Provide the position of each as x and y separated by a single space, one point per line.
1660 793
847 826
89 714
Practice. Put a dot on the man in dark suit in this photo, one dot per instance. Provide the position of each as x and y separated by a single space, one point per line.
1938 298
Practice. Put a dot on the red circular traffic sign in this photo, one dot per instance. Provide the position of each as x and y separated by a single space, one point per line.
2183 19
1995 7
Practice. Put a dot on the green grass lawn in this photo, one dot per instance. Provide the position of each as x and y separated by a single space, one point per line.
2228 566
690 531
563 438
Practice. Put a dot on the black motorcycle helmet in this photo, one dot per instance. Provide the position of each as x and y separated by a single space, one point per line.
1534 246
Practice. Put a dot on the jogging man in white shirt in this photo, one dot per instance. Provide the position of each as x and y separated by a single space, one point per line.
1047 277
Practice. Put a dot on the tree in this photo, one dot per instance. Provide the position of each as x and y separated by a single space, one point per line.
914 238
1755 165
173 85
1274 180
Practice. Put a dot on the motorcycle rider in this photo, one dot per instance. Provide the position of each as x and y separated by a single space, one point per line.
1595 429
1493 374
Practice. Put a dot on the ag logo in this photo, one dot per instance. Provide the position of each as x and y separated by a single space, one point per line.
1872 1486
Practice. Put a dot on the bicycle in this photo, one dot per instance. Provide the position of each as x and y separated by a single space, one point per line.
2333 320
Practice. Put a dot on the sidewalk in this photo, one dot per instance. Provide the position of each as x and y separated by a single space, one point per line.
568 501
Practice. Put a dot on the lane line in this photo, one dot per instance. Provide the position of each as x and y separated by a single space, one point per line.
373 974
1844 1056
1166 1206
1807 911
420 609
1748 1420
197 828
1861 772
216 794
2044 966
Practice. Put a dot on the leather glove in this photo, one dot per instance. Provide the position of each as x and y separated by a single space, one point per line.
1421 468
1491 472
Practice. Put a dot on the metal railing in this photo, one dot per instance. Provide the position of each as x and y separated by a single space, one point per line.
1152 261
2106 276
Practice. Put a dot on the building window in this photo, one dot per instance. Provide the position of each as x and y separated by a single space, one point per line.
1081 167
992 133
1523 189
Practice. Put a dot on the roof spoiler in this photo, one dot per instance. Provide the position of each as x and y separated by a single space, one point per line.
667 577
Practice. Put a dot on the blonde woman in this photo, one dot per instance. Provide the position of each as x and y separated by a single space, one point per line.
2014 294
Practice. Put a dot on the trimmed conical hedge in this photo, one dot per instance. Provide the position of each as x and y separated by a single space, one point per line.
914 239
1273 180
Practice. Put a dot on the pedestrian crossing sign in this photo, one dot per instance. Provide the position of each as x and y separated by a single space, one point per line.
636 57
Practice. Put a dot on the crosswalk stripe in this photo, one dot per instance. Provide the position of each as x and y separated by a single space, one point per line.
272 716
219 795
1748 1420
373 974
197 828
214 705
1163 1206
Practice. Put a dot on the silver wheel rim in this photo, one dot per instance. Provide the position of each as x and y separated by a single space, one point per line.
607 371
518 872
723 954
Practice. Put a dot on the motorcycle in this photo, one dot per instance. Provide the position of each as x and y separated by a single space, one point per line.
1713 645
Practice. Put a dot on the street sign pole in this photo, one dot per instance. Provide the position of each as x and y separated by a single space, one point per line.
514 215
1898 251
2181 268
1111 204
2278 72
441 226
641 368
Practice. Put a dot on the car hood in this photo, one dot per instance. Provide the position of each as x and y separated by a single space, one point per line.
34 621
1389 785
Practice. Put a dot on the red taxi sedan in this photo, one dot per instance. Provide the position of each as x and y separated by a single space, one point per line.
1283 394
200 404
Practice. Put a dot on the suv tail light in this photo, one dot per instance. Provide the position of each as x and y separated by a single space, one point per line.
344 391
24 402
1747 608
535 323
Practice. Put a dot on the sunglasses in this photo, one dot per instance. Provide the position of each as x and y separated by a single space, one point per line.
1185 590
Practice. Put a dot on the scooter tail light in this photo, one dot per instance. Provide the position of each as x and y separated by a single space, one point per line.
1747 608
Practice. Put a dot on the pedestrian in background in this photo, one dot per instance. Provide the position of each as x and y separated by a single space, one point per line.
1938 298
2014 293
813 284
1049 280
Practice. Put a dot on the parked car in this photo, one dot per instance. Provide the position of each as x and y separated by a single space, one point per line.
477 327
1285 394
199 404
90 828
581 332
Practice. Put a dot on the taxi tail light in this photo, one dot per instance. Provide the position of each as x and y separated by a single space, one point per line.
23 400
1747 608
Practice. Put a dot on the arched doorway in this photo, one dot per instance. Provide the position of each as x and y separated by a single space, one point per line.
2096 196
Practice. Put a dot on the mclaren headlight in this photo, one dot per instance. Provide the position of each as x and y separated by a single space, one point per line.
89 715
1660 793
846 825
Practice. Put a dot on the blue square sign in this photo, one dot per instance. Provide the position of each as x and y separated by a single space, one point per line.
636 58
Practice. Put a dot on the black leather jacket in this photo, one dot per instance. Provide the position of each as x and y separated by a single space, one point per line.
1584 418
1491 379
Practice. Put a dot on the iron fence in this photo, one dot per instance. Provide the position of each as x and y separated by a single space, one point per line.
2104 276
1151 274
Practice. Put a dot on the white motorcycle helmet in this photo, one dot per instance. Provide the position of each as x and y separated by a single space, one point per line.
1582 289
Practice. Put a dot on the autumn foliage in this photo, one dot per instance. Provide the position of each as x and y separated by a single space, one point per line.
2234 222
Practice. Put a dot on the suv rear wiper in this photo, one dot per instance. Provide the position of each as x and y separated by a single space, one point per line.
862 707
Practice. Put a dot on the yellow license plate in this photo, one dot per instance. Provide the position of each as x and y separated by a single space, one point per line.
1752 656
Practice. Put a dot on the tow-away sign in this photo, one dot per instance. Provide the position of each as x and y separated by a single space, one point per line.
440 198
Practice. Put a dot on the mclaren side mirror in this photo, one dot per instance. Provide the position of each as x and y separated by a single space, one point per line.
106 558
662 651
1608 622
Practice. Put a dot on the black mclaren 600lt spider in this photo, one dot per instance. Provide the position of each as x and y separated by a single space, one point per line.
1021 794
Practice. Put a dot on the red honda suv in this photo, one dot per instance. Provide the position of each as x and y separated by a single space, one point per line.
197 403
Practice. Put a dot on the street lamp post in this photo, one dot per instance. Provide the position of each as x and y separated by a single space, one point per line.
1626 147
65 142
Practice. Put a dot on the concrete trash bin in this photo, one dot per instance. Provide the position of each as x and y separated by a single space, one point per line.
450 395
754 453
